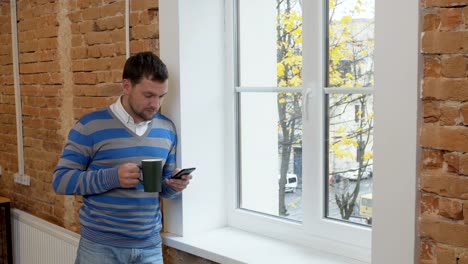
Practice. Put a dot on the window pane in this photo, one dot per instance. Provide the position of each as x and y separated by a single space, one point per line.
270 43
271 153
351 43
350 157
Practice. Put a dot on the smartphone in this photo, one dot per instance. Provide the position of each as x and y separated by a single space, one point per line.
183 172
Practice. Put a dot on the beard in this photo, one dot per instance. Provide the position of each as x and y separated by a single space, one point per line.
146 114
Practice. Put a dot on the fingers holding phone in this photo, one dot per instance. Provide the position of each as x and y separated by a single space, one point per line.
180 179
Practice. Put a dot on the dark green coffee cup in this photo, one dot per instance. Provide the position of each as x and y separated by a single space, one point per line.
152 174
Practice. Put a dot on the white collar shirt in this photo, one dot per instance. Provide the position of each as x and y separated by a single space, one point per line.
120 112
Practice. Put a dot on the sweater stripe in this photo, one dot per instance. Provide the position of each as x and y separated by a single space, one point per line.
97 145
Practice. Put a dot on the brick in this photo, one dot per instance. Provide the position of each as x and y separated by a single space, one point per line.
454 66
445 254
99 51
97 64
451 208
444 3
120 48
104 77
144 45
97 90
110 23
148 17
29 46
94 51
85 78
102 37
79 52
144 32
46 32
107 50
52 124
444 137
75 17
134 18
447 232
75 29
464 113
93 102
464 164
445 184
445 89
83 4
137 5
452 162
52 113
429 204
91 13
46 9
47 55
432 67
449 115
432 158
25 36
450 18
114 9
434 42
431 22
117 35
77 40
87 26
465 15
47 44
117 63
465 212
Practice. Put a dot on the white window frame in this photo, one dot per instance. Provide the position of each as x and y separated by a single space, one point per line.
186 26
316 230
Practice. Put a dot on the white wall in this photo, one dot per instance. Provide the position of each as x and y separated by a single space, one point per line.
192 46
397 66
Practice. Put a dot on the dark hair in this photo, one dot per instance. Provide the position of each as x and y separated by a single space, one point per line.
145 65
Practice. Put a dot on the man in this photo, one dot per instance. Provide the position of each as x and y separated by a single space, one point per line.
120 223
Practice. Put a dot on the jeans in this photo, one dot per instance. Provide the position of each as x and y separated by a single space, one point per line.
94 253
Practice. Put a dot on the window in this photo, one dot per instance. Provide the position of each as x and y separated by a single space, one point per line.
196 46
305 114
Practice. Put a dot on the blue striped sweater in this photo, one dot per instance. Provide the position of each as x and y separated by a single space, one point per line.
97 144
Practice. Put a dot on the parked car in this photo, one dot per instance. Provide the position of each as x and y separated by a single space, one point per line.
353 175
291 182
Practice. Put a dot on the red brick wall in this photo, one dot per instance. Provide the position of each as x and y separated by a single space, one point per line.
71 55
444 133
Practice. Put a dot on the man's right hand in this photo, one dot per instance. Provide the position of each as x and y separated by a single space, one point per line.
129 173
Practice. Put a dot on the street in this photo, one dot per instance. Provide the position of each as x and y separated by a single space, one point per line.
293 201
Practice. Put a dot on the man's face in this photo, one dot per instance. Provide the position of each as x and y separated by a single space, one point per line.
143 100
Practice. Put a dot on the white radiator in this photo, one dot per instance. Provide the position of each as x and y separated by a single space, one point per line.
36 241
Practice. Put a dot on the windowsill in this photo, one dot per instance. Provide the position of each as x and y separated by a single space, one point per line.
230 245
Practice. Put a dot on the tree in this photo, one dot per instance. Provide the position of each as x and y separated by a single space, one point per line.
350 65
289 68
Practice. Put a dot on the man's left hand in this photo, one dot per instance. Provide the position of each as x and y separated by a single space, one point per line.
179 185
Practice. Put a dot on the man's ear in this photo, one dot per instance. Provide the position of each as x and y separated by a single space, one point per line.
126 86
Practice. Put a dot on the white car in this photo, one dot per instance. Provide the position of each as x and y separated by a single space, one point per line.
353 175
291 183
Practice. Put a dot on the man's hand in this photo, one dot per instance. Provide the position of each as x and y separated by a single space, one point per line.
179 185
129 173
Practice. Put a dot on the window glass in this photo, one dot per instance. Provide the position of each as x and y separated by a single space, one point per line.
350 116
270 55
270 109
